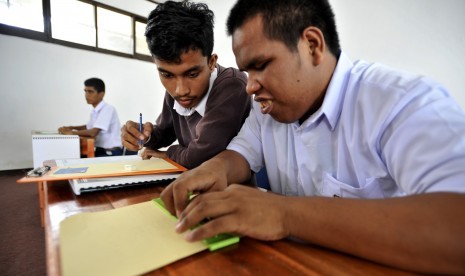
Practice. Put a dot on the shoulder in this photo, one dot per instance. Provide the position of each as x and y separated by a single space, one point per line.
375 84
230 74
378 96
229 85
386 79
106 107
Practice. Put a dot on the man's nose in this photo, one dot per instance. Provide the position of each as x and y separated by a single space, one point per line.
181 88
252 85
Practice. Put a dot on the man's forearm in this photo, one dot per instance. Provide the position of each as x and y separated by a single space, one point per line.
235 165
87 132
422 233
83 127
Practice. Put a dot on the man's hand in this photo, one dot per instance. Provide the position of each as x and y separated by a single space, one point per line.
199 180
212 176
131 136
147 154
238 209
65 130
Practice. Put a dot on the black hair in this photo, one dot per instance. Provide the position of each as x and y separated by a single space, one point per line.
174 28
96 83
284 20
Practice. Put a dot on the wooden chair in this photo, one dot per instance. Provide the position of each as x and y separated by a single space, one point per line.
87 147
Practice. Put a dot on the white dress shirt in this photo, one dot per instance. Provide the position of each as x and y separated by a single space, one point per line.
379 133
105 118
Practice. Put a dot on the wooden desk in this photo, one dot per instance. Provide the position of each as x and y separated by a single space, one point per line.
249 257
87 148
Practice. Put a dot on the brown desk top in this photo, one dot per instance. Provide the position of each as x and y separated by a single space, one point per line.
251 257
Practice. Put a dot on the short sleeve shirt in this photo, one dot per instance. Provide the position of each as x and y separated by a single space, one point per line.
105 118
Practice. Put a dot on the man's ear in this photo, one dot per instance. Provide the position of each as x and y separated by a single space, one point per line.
315 43
212 62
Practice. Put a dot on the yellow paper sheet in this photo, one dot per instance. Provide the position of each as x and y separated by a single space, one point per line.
131 240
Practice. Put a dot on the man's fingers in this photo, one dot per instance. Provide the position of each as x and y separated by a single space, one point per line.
180 198
211 228
210 215
130 136
147 154
147 129
167 198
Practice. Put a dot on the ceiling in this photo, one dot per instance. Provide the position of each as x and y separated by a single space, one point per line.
162 1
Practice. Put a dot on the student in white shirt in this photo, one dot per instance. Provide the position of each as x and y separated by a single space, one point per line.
361 158
103 125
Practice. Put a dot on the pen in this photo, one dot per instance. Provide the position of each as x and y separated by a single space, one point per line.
140 127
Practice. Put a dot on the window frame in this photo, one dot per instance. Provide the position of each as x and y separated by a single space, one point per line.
46 36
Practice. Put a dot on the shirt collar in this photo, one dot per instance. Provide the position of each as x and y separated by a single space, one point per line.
99 106
200 108
335 92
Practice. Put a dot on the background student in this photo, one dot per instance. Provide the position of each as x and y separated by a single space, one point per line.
361 158
205 103
104 124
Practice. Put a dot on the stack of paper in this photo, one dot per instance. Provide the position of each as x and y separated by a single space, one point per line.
113 165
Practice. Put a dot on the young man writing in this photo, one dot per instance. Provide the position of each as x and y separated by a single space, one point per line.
205 104
352 149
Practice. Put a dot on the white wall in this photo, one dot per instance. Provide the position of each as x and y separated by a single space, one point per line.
421 36
41 84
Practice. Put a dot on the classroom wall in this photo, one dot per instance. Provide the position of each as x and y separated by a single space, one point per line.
41 84
421 36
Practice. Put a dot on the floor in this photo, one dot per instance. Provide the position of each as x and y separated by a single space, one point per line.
22 241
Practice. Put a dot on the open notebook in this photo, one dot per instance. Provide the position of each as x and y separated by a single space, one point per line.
81 185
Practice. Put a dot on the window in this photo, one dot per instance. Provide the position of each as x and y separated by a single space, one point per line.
25 14
141 43
83 24
73 21
114 31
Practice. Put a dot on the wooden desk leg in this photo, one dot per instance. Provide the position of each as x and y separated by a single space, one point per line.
40 186
90 148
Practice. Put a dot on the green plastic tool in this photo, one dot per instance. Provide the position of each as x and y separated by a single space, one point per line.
213 243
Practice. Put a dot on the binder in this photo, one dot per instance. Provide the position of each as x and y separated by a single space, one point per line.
85 185
103 167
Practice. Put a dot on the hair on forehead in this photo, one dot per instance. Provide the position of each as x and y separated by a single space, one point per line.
97 83
174 28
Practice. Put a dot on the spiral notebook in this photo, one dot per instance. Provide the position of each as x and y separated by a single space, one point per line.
53 146
83 185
